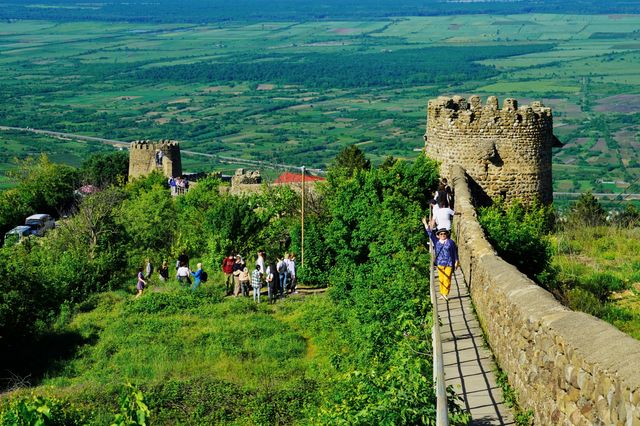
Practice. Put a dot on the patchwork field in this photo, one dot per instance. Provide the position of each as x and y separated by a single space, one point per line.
297 93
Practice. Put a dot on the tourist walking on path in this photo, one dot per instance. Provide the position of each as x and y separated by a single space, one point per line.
199 276
163 272
183 274
227 268
446 256
141 283
256 283
442 216
444 193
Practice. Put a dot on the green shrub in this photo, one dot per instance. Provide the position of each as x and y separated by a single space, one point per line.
519 235
601 285
173 302
583 300
586 211
41 410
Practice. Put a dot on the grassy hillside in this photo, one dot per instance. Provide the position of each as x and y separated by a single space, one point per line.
199 359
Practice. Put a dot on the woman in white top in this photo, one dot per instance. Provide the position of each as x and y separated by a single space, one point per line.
183 274
442 216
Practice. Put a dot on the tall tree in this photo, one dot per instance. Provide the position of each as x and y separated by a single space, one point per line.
349 160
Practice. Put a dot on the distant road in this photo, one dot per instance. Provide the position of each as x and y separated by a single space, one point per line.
122 144
609 195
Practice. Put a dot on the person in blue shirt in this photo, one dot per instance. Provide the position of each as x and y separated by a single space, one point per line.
446 254
198 277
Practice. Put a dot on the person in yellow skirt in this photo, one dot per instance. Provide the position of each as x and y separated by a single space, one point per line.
446 254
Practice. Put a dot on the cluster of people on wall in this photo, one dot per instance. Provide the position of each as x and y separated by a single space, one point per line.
178 185
278 275
439 230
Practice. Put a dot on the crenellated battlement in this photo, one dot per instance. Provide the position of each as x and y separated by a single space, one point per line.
507 150
146 156
458 111
148 145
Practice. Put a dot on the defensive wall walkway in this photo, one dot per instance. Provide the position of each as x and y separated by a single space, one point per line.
568 367
468 363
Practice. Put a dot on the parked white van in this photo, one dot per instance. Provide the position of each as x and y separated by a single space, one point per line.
40 223
17 235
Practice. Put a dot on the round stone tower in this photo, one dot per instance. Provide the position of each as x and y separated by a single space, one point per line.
507 152
147 156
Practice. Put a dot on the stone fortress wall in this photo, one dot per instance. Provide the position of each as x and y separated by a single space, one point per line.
142 158
506 151
568 367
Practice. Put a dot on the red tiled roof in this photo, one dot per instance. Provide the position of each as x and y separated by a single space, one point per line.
288 177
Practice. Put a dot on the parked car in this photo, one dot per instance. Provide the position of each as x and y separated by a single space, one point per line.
40 223
17 235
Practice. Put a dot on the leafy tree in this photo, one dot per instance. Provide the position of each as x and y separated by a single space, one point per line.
586 211
105 169
388 162
43 187
149 220
348 161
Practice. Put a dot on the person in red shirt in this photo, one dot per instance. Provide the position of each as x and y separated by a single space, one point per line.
227 268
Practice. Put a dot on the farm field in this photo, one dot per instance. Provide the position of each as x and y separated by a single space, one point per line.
298 92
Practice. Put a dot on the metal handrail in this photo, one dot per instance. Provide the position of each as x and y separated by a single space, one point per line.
442 418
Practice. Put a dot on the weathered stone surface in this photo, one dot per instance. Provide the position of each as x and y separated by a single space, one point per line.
142 158
506 151
242 177
568 367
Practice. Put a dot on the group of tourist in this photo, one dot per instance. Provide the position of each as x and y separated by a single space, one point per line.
178 185
439 231
279 275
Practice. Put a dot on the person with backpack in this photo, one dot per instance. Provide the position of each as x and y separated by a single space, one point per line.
446 257
199 275
256 283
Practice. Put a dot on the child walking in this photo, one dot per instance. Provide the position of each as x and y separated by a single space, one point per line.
446 257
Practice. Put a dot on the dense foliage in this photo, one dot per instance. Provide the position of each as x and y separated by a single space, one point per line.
520 236
403 67
364 241
43 187
221 11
